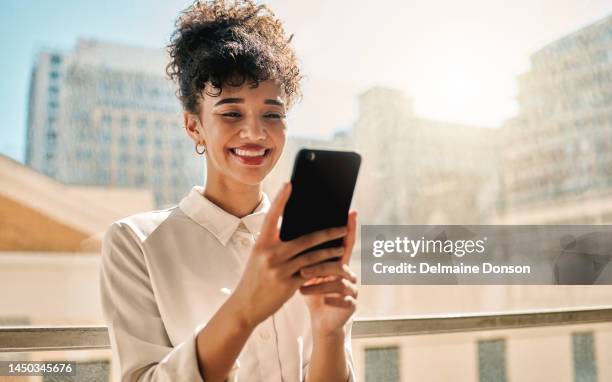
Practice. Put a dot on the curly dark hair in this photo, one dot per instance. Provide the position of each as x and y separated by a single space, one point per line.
225 43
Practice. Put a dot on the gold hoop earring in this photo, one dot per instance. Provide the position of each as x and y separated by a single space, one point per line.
196 148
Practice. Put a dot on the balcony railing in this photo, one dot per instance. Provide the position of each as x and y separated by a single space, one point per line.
56 338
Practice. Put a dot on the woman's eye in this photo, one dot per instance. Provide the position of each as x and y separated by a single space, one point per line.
232 114
275 116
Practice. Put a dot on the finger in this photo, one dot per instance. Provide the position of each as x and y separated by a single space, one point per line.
269 227
312 239
349 239
298 280
341 302
331 268
319 280
340 286
312 257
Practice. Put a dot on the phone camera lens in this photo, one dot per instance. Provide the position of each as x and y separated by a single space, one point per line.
311 156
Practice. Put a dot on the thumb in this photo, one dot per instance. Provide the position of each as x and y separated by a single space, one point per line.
270 225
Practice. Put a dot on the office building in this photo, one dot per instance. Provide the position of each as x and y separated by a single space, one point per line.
422 171
558 149
106 115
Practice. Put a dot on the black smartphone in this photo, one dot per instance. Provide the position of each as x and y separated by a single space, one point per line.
322 186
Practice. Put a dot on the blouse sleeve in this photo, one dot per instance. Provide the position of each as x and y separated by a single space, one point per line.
140 345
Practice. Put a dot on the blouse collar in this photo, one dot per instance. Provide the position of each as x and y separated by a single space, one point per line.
219 222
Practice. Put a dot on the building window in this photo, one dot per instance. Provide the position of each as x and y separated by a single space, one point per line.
140 179
82 154
123 140
56 59
119 87
138 90
123 177
158 162
105 136
382 364
585 367
102 176
124 158
106 120
142 123
492 360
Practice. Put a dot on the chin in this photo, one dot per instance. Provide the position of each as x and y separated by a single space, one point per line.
251 179
251 176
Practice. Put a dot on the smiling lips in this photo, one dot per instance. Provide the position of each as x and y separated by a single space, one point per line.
250 154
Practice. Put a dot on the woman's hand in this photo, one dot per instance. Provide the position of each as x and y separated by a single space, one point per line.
272 275
331 290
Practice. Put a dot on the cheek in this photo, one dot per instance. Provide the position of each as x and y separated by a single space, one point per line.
217 138
279 137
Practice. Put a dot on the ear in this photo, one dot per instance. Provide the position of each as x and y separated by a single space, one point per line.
191 123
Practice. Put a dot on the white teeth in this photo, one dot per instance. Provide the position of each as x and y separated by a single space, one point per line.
249 153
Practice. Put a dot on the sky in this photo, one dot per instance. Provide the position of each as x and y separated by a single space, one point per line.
457 60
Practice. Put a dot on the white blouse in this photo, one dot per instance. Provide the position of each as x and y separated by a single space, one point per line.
165 273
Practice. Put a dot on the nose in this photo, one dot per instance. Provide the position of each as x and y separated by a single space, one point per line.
253 129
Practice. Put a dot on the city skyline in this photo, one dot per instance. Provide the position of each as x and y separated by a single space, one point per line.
329 87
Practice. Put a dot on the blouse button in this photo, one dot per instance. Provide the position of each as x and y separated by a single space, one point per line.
264 335
244 242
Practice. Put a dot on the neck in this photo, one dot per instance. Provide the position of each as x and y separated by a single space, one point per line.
236 198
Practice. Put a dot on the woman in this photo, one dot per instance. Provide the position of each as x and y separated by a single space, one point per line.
206 290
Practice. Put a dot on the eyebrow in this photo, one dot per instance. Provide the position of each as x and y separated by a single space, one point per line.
273 102
241 100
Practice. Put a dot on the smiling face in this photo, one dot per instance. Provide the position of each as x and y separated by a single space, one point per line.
243 130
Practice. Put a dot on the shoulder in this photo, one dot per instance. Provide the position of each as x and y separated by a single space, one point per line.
139 226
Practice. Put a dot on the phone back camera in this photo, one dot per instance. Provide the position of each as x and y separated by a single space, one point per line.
311 156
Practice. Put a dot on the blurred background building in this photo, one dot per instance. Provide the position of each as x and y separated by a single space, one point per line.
105 114
531 171
50 237
414 170
422 171
557 152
